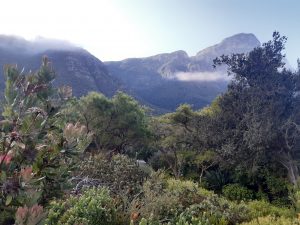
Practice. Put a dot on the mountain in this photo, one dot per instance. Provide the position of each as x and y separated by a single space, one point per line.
74 66
167 80
162 82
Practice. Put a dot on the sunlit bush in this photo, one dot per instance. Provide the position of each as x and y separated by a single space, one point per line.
270 220
94 206
237 192
263 208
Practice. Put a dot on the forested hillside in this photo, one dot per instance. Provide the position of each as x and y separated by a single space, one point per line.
96 160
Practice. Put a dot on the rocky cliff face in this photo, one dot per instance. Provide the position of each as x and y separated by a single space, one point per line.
166 80
239 43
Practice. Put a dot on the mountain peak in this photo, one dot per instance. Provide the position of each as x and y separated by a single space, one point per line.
238 43
245 38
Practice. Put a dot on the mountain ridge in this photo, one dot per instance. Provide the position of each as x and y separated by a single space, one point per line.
154 78
162 81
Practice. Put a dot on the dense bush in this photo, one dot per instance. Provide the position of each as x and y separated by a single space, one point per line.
94 206
155 201
119 173
220 211
34 215
119 124
37 152
165 199
270 220
123 176
237 192
217 211
202 220
181 220
263 208
216 179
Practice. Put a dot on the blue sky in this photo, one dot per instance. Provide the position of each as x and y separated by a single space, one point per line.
195 24
117 29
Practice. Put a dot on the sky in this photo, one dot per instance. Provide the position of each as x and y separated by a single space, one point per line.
118 29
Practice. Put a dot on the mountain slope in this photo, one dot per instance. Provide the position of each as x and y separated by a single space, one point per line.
163 81
168 80
74 66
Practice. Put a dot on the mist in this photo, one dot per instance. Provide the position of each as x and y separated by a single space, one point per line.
35 46
202 76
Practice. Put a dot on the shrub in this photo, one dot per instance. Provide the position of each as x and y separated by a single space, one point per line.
156 202
30 216
216 180
191 217
263 208
181 220
94 206
219 211
270 220
175 201
236 192
38 149
119 174
188 192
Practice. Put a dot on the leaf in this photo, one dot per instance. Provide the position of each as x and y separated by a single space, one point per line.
8 200
3 176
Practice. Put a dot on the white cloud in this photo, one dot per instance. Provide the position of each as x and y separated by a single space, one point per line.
201 76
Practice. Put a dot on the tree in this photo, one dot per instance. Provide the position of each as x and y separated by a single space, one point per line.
260 111
183 139
119 124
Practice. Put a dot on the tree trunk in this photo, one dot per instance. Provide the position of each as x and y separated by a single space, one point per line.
292 168
201 175
293 173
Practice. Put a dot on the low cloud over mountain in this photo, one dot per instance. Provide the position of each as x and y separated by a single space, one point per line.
167 80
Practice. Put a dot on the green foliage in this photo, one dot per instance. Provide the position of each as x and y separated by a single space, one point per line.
220 211
119 124
94 206
259 113
244 146
169 200
277 190
212 110
270 220
182 140
216 179
295 199
120 173
237 192
36 154
263 208
123 176
183 219
187 192
191 220
156 201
